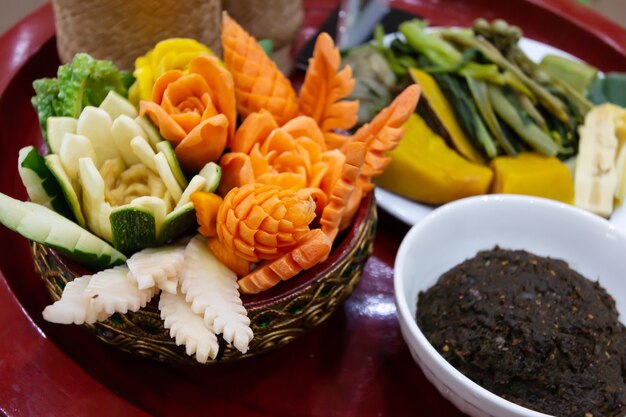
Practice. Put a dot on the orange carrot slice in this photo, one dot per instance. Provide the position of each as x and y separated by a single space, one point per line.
258 82
323 90
254 129
343 189
236 171
311 250
206 205
168 127
205 143
334 160
303 126
221 88
162 82
238 265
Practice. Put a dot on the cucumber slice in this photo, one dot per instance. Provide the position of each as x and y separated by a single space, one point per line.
156 206
53 162
72 149
95 124
41 186
43 225
97 211
170 156
177 223
152 133
133 228
124 129
57 127
197 183
167 176
116 105
213 174
144 152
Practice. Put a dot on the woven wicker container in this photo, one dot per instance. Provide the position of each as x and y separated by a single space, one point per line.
277 316
122 30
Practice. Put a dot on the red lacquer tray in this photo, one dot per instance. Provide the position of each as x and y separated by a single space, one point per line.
355 364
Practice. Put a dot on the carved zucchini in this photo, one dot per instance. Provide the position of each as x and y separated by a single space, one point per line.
118 176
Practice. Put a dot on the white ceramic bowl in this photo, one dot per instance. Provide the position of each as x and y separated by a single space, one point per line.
457 231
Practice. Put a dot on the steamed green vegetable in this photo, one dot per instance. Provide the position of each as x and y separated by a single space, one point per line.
480 94
466 112
552 103
506 107
540 111
83 82
610 89
376 82
575 73
443 55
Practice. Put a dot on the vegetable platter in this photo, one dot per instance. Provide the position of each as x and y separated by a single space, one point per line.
191 187
499 114
346 361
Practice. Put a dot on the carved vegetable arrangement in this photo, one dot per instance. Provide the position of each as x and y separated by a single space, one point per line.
122 186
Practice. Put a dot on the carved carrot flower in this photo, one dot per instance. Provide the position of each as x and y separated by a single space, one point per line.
259 84
194 111
293 156
259 222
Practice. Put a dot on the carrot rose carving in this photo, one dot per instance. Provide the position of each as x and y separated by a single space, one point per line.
195 111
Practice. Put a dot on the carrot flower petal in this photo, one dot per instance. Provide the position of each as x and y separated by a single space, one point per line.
169 129
205 143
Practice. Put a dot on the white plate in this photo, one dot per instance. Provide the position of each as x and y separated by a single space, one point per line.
411 212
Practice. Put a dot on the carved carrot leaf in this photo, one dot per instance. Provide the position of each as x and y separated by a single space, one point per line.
259 84
324 89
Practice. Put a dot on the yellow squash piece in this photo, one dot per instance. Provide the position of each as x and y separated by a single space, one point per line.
532 174
425 169
442 109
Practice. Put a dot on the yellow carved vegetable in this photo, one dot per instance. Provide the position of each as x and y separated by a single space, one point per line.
532 174
442 109
425 169
170 54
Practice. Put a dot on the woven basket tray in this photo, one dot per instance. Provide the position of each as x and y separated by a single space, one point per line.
277 316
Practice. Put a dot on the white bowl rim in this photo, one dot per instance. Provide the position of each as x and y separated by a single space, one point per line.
481 394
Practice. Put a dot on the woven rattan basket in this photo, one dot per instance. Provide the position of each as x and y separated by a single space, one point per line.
122 30
278 316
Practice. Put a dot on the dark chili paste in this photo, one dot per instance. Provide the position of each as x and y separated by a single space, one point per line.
531 330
